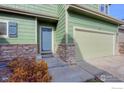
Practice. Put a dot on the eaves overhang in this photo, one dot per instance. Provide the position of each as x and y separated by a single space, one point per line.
95 14
28 13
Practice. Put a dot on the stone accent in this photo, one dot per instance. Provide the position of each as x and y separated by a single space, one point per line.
61 51
121 47
8 52
120 41
67 52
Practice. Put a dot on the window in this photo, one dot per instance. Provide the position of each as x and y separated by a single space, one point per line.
103 8
12 29
3 29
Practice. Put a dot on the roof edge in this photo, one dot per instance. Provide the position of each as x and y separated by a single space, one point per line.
96 13
23 12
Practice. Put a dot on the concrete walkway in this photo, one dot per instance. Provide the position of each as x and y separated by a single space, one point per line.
108 69
114 65
62 72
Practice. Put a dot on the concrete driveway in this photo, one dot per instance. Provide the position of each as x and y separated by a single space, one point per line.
108 69
112 64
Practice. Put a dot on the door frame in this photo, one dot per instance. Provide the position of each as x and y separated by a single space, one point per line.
98 31
40 37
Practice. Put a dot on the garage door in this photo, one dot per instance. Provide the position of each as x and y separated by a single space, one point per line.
93 44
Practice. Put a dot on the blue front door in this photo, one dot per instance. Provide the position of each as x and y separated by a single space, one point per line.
46 39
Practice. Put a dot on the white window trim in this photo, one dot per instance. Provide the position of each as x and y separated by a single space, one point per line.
7 35
52 38
105 11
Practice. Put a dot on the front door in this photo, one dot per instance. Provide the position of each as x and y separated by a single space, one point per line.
46 40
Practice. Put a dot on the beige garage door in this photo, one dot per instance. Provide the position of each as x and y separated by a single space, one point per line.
93 44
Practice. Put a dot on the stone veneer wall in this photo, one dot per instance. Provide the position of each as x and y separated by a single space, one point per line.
121 47
8 52
120 41
67 52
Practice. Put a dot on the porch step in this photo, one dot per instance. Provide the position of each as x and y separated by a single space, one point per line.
47 55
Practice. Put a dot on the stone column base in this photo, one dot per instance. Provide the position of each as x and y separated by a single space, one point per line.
67 52
121 48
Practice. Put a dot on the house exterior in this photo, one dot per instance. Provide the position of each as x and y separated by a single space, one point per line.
69 31
120 40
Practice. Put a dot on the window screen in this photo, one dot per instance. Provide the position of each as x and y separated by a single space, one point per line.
3 28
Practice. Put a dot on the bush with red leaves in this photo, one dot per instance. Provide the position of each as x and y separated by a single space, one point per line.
25 70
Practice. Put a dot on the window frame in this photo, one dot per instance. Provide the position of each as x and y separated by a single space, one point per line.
7 34
104 11
107 9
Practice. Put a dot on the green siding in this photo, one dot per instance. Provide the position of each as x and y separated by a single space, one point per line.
60 29
26 29
91 6
87 22
48 9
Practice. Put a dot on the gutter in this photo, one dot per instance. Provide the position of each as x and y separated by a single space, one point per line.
28 13
85 11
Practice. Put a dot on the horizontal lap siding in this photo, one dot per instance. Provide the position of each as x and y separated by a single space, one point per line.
91 6
60 29
26 29
48 9
87 22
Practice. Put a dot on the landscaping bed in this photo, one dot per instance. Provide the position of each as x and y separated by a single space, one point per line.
25 70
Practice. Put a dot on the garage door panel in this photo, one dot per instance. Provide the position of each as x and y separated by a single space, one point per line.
93 44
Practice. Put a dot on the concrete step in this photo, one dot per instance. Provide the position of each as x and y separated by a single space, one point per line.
54 62
47 55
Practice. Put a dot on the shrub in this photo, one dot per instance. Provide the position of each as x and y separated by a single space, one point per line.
25 70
